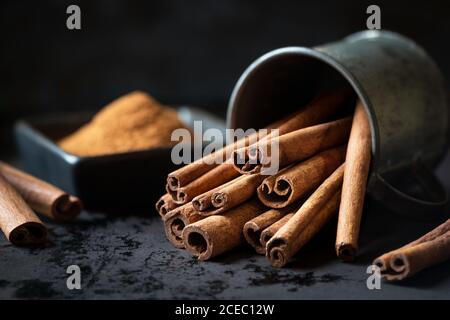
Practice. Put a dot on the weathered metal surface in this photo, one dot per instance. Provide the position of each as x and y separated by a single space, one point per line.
401 88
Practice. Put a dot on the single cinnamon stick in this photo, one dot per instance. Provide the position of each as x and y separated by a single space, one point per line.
268 232
217 234
317 111
18 222
307 221
354 186
203 202
165 204
41 196
293 146
428 250
176 220
294 182
252 229
216 177
233 194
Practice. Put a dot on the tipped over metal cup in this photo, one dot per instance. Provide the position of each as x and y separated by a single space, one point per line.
402 90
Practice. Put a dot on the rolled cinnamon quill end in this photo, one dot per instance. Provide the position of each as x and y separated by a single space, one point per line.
431 249
221 174
203 202
233 194
354 186
165 204
42 196
28 234
411 260
307 221
65 208
269 232
382 262
294 182
188 173
17 221
176 220
252 229
217 234
292 147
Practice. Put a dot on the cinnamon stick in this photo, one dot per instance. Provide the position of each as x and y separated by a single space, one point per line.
233 194
18 222
41 196
216 177
307 221
428 250
165 204
176 220
252 229
317 111
292 147
294 182
194 170
217 234
203 202
268 232
354 185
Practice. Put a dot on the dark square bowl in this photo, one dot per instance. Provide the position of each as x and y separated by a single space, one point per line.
125 181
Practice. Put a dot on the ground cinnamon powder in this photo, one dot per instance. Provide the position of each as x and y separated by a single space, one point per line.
135 121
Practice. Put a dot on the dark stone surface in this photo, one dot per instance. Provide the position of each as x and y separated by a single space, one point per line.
128 257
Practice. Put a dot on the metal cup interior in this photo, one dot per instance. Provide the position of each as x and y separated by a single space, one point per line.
282 81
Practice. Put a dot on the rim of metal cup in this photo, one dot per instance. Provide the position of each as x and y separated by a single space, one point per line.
313 53
323 57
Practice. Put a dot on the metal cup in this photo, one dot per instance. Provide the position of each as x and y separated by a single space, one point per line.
403 93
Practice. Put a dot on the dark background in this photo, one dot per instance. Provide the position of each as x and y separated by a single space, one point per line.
187 52
182 52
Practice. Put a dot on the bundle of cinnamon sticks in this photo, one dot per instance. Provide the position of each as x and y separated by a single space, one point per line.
21 195
212 207
324 155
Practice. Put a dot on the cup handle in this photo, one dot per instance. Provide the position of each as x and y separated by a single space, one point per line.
411 206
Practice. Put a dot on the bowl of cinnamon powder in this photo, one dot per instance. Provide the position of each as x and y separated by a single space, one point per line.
112 160
131 123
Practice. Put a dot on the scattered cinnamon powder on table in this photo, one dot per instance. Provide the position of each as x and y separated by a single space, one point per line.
132 122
